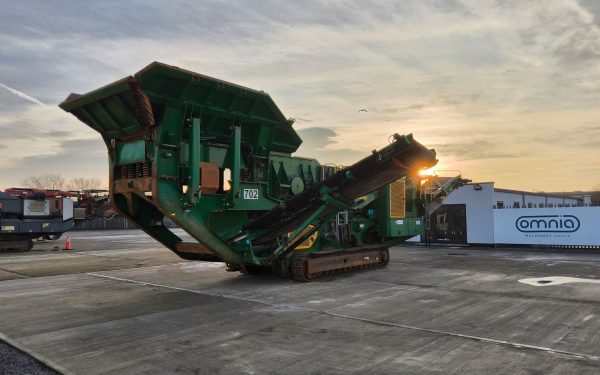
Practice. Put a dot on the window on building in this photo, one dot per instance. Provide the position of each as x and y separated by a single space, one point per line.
529 205
516 205
541 205
500 204
550 205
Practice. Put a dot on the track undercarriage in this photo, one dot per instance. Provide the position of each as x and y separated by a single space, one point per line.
307 266
16 244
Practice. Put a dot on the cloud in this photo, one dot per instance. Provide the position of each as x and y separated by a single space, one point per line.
316 142
71 153
303 120
41 123
466 76
42 139
416 106
591 128
576 37
582 138
475 150
593 7
317 136
72 158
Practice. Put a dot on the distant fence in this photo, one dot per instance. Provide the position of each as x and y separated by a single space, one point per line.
117 222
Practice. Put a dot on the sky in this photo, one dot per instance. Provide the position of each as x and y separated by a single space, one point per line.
505 91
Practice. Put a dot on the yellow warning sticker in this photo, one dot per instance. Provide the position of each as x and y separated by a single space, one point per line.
8 228
307 243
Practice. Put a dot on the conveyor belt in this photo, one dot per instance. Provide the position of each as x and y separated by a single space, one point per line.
382 167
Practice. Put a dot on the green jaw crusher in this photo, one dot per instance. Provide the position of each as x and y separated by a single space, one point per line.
215 158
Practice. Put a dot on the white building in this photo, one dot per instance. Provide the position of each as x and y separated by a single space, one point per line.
479 213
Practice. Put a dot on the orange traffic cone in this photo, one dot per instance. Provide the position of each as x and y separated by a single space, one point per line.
68 243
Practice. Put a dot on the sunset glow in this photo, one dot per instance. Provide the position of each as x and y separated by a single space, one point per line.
501 93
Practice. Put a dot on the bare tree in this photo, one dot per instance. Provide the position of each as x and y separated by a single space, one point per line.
85 183
32 182
49 181
54 182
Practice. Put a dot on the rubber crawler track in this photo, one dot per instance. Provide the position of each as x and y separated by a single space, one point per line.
16 245
299 266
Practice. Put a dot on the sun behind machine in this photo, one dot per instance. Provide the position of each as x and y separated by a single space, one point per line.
215 158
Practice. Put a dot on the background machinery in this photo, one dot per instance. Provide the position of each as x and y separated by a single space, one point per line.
27 214
215 158
93 203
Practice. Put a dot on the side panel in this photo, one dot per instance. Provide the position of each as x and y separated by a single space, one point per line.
478 201
564 226
398 210
67 209
33 207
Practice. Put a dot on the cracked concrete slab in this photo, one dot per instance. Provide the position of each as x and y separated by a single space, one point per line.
132 307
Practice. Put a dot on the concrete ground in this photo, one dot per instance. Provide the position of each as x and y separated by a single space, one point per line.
121 303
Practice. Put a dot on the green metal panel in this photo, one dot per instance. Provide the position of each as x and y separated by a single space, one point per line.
131 152
194 161
235 171
220 103
111 110
405 227
393 227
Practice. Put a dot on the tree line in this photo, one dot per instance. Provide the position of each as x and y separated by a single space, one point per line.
596 195
58 182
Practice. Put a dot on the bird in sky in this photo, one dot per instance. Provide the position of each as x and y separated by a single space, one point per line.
362 110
